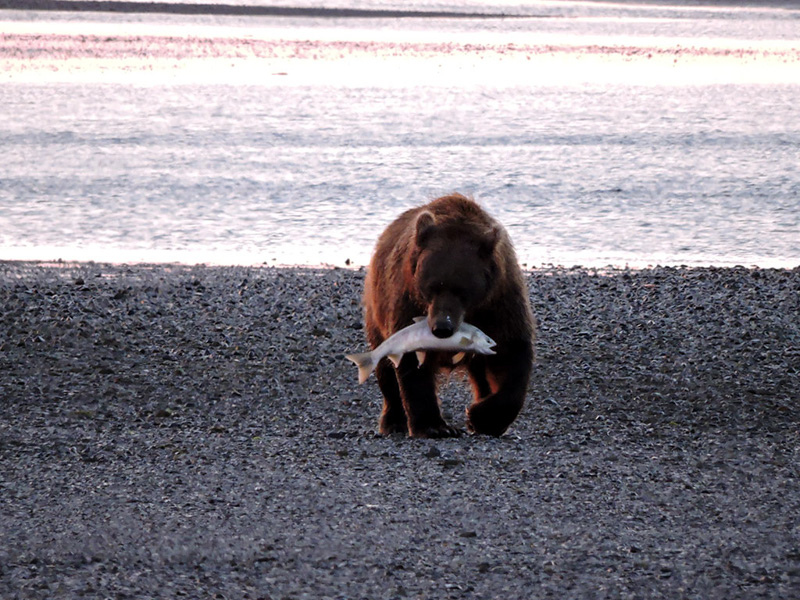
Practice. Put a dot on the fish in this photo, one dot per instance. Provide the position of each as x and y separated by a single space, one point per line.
418 338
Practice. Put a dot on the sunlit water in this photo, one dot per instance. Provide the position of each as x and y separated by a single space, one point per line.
588 156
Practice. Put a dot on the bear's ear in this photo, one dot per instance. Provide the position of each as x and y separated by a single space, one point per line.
489 242
424 227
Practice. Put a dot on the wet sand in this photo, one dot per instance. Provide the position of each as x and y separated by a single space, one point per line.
171 431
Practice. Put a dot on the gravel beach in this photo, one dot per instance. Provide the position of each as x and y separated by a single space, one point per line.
172 431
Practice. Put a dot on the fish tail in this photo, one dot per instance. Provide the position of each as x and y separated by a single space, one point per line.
365 363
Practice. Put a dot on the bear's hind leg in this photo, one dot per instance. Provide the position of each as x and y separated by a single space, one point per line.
500 383
477 376
418 390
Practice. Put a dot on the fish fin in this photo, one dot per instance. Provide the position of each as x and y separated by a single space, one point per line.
418 319
395 358
458 357
365 363
420 357
464 341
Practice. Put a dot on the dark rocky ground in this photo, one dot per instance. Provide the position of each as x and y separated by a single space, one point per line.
171 432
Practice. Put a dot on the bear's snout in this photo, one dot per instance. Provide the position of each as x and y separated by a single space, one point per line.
445 315
443 327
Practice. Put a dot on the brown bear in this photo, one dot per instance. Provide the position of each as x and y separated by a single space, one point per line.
450 261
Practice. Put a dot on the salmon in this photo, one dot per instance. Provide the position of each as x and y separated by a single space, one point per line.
418 338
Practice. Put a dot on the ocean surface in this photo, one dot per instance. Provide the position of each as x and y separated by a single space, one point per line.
598 133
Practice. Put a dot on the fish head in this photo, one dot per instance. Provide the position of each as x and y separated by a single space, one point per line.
482 342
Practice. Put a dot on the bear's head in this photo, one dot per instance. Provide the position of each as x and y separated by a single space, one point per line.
454 269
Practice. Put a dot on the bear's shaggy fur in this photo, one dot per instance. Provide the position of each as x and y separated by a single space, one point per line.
450 261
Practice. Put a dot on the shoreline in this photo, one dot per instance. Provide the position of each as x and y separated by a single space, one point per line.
610 269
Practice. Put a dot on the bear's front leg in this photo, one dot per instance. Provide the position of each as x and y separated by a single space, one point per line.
500 383
393 417
418 391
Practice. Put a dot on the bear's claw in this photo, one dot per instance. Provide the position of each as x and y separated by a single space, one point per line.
438 431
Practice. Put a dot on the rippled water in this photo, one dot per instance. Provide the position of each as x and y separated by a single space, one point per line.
582 170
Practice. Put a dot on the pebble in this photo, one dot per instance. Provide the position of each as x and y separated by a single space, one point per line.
198 425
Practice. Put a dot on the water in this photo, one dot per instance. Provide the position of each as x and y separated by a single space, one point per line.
588 155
